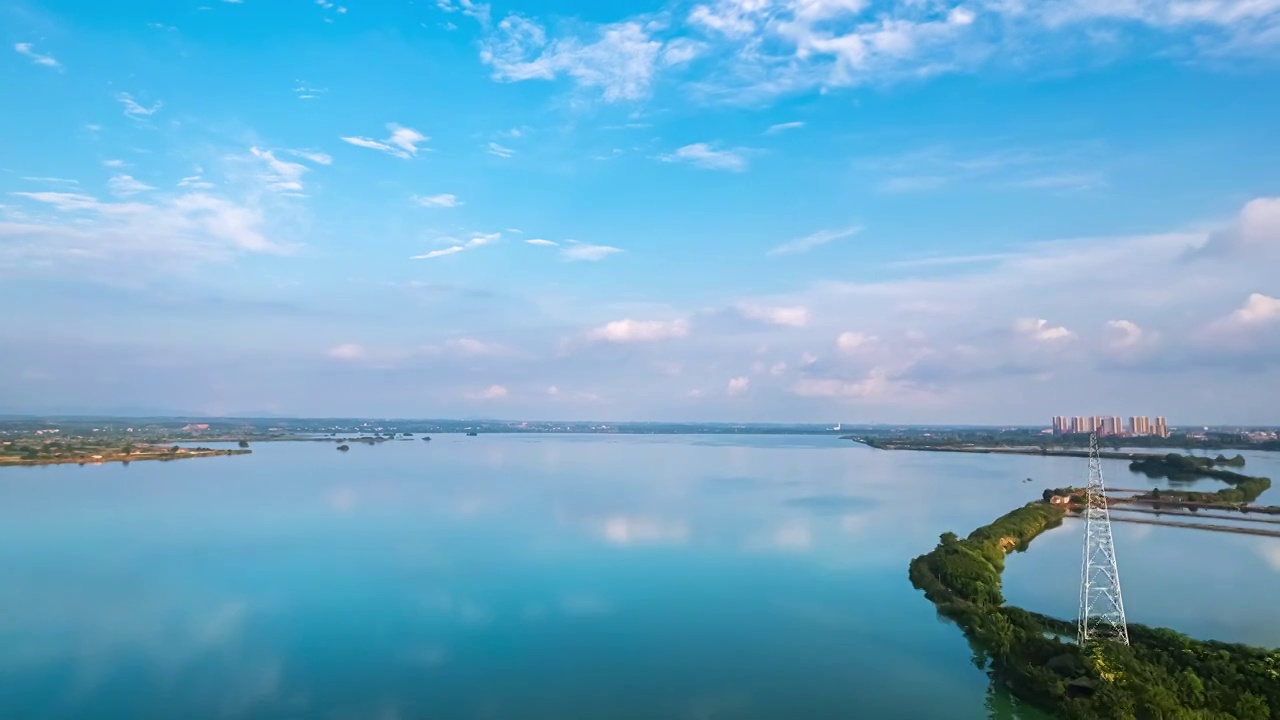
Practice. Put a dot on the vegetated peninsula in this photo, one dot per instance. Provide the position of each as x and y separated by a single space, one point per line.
36 451
1161 674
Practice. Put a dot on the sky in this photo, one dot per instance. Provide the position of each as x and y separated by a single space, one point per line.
899 211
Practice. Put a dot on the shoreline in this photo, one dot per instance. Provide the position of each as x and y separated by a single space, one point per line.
1014 450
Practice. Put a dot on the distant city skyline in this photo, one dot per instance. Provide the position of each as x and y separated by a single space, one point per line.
1110 425
944 212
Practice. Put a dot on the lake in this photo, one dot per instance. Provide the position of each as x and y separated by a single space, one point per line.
568 577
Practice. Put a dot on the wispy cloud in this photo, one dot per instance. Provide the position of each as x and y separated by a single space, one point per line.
279 174
402 143
135 110
443 200
756 50
620 60
575 251
783 127
305 91
476 240
809 242
796 316
319 158
28 50
501 151
913 183
348 352
50 180
86 235
1064 181
640 331
196 181
493 392
704 155
470 8
126 185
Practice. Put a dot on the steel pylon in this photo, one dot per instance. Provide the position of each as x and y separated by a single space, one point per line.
1101 606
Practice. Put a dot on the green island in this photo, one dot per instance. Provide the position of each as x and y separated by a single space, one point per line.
1182 468
79 451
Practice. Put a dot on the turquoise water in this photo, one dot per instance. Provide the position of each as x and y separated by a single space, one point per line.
544 577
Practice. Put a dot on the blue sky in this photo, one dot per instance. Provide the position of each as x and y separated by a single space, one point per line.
790 210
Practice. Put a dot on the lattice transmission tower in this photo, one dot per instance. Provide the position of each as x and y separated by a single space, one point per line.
1101 607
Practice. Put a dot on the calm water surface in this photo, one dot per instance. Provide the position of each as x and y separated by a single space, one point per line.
592 577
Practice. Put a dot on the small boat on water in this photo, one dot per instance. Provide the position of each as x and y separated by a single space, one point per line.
472 433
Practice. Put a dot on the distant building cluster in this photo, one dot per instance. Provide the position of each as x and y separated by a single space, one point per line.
1110 426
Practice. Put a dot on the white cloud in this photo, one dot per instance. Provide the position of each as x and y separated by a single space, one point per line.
113 163
1126 335
28 50
279 174
443 200
703 155
125 185
1041 331
1258 309
402 143
632 331
493 392
1257 227
778 369
621 61
542 243
853 342
783 127
809 242
135 110
476 240
794 316
501 151
576 251
314 156
738 385
348 352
